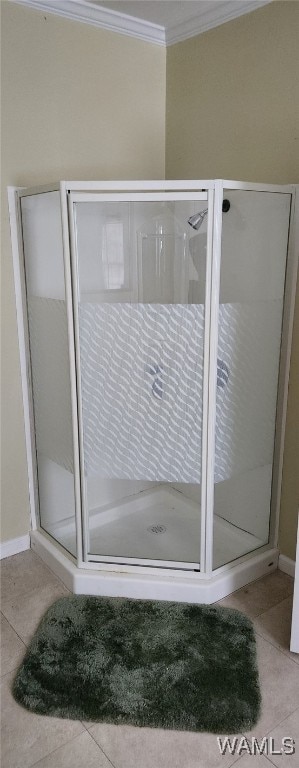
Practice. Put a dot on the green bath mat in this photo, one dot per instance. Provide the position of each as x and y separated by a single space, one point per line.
145 663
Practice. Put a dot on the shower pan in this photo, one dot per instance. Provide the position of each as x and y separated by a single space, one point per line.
154 324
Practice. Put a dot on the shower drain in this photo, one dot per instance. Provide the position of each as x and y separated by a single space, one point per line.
157 528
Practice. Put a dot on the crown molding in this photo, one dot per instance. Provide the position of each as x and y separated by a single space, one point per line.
215 16
114 21
87 13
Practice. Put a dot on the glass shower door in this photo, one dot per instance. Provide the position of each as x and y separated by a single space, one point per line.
49 359
141 304
253 264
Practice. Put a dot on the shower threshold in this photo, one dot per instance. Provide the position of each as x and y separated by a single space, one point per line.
157 524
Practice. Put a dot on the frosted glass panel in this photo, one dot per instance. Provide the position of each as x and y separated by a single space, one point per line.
253 262
141 355
48 338
142 390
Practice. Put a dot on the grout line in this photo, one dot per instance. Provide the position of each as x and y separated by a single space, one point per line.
56 748
48 585
273 728
286 654
14 630
25 595
251 583
56 581
52 573
269 760
235 762
243 757
282 721
6 674
277 648
104 753
274 606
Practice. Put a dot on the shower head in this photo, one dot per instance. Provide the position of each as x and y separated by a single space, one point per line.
196 220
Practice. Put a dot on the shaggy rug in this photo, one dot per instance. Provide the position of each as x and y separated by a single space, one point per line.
145 663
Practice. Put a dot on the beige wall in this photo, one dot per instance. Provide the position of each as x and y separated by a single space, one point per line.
232 112
77 102
232 100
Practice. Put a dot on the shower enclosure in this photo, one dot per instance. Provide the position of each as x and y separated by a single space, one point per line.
154 320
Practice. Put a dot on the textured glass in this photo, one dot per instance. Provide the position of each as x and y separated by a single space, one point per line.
142 390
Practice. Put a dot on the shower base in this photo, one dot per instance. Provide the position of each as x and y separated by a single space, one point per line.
139 582
157 524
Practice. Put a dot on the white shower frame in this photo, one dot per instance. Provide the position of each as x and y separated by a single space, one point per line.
135 577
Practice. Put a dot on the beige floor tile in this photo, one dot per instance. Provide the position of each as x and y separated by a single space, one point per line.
25 737
25 613
11 647
129 747
22 573
275 625
261 595
289 727
279 680
80 752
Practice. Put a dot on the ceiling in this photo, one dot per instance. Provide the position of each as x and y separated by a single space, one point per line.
158 21
165 13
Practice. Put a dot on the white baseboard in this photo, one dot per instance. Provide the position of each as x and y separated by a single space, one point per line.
14 546
286 565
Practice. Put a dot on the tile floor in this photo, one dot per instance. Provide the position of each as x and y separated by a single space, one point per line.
29 587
